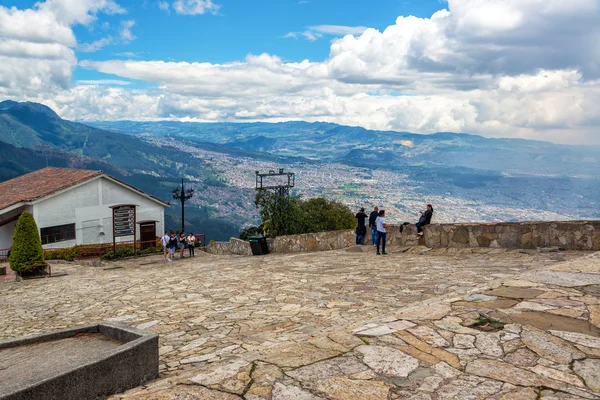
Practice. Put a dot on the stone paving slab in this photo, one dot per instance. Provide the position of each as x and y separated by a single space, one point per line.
339 324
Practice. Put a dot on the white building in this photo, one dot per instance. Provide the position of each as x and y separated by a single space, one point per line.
72 206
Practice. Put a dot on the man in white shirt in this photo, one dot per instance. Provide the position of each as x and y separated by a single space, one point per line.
191 242
165 244
381 232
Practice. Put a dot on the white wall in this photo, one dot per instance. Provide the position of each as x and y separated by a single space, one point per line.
7 231
87 206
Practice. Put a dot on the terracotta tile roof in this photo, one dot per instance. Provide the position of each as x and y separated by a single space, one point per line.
41 183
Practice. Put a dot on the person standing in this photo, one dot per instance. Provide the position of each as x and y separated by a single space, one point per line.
182 240
425 219
381 232
191 242
361 229
172 246
165 244
373 225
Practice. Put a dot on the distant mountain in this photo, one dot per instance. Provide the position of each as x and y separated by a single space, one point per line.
326 142
32 136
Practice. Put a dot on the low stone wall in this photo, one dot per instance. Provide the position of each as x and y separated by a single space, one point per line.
320 241
233 247
574 235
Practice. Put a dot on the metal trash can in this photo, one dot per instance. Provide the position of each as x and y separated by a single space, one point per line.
256 247
263 243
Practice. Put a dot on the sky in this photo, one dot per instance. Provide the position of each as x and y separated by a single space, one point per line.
498 68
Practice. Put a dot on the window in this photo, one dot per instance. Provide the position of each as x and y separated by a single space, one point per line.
60 233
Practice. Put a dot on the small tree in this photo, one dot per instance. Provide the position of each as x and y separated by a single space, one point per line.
27 248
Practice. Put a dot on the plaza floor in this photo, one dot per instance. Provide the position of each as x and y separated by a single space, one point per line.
341 324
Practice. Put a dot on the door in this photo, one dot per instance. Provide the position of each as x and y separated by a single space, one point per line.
148 235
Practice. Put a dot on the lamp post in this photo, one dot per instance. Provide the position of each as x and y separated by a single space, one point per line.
182 196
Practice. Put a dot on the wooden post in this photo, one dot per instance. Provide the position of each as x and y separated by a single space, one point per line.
135 231
114 234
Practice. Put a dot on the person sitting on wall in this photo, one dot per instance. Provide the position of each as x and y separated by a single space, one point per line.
425 219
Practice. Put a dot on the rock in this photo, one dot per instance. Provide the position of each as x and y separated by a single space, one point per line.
431 383
468 387
429 335
579 338
147 325
565 279
567 312
480 297
187 392
521 394
589 371
283 392
552 395
557 375
425 312
401 325
515 292
504 372
445 370
377 331
489 343
462 341
533 306
549 346
440 354
345 339
545 321
264 377
388 361
295 355
232 376
340 388
522 358
338 366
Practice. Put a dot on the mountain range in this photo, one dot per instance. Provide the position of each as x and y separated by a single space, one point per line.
485 174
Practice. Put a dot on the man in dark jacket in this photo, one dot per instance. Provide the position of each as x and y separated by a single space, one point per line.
373 225
425 219
361 229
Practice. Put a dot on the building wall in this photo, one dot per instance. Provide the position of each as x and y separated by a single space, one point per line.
7 231
87 206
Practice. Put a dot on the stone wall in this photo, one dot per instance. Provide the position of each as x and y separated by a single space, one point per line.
233 247
320 241
574 235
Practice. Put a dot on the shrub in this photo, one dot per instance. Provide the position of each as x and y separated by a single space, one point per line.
26 251
68 254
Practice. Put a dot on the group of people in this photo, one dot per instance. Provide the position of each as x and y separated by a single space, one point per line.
379 227
177 241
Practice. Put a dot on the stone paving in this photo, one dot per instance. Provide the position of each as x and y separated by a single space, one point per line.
416 324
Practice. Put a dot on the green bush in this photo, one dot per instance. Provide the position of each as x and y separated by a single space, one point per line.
293 215
67 254
26 251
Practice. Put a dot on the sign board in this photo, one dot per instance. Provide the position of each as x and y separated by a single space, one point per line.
124 220
124 224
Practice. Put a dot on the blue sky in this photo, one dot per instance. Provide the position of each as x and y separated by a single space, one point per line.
510 68
238 28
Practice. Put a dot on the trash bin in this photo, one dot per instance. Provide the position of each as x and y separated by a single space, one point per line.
263 243
256 247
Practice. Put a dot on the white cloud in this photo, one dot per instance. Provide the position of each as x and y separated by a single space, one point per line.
95 45
195 7
126 34
318 31
36 44
518 68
